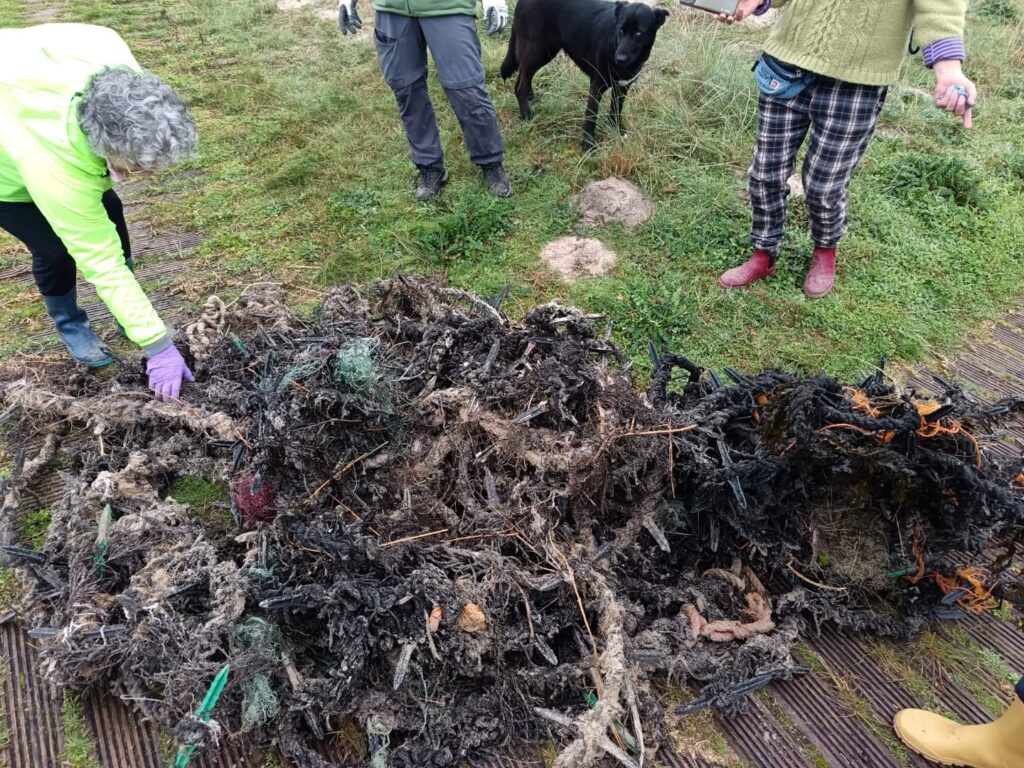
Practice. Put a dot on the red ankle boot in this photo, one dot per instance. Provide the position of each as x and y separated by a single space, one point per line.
758 267
822 274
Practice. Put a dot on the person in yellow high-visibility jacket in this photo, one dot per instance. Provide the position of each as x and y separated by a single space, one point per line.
77 113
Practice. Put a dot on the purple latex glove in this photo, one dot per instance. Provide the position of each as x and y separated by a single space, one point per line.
166 369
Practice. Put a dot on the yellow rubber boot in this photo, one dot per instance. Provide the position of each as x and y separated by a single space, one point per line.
995 745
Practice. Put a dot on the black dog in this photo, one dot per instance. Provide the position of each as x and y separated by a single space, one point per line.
610 42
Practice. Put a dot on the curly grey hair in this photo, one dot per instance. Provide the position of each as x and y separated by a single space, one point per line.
136 117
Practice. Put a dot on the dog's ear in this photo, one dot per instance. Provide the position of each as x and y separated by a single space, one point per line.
618 8
661 15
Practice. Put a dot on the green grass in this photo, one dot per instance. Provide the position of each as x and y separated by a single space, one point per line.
167 747
809 751
5 728
696 733
307 182
995 665
856 706
907 664
971 665
10 588
79 745
10 13
931 657
33 527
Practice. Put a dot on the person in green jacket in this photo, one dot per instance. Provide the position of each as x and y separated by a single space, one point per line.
404 30
825 72
77 113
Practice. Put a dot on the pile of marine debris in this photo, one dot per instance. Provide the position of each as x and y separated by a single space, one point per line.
451 532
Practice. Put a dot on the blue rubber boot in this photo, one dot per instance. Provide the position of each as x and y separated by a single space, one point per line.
76 333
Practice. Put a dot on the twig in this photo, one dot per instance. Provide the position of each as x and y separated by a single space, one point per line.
417 537
242 440
579 598
671 469
529 610
477 302
477 537
341 473
674 431
812 582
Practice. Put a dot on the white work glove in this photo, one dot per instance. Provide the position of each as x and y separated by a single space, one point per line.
495 15
348 17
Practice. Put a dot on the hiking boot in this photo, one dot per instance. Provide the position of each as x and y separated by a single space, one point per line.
757 267
73 327
822 274
431 179
497 180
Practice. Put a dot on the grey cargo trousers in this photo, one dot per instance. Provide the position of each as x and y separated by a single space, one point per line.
402 44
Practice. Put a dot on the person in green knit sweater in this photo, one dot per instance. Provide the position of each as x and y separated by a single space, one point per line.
825 72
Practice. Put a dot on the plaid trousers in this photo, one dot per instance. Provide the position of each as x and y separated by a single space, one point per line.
841 118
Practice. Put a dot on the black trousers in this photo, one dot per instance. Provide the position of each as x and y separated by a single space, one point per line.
52 265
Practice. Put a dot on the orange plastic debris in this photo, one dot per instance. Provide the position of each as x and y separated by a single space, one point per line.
972 580
915 578
936 428
861 402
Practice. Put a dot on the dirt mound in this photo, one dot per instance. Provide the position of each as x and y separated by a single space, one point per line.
574 257
614 199
450 531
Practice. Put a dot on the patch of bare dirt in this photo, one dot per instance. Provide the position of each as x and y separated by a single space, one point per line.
614 199
574 257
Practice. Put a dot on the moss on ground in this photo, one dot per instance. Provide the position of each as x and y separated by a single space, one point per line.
10 588
5 728
204 498
697 734
167 746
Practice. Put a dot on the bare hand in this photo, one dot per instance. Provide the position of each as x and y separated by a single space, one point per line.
744 9
954 91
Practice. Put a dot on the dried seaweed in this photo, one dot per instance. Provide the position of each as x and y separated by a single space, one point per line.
459 531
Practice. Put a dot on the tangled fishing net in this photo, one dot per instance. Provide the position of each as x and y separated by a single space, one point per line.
454 532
